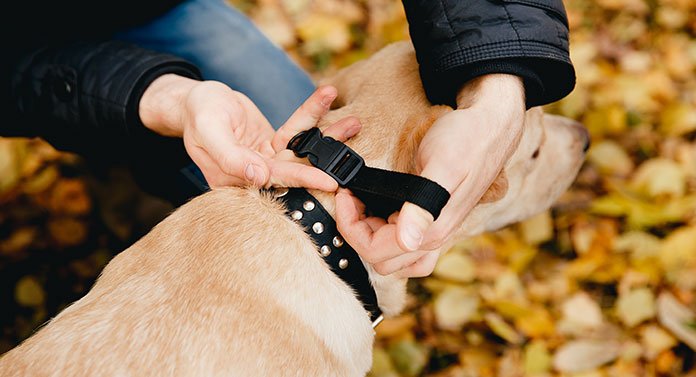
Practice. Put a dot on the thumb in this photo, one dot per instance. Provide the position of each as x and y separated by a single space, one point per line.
411 225
414 221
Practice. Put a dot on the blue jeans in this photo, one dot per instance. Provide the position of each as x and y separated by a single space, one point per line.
227 47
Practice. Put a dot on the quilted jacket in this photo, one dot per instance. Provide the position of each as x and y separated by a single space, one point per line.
80 91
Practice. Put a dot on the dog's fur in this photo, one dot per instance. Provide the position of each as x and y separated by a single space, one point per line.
228 285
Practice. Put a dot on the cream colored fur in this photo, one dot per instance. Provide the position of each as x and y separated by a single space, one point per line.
227 285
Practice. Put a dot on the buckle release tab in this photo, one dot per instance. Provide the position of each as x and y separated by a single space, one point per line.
327 154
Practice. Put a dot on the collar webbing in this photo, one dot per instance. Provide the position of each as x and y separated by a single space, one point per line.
383 191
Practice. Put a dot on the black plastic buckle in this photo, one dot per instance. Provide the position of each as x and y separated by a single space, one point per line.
328 154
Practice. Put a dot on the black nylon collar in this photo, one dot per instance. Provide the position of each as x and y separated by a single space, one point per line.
383 191
338 254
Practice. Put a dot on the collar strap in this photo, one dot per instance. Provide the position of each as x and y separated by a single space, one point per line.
341 257
383 191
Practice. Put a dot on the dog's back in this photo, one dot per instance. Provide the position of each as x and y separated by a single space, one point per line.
214 289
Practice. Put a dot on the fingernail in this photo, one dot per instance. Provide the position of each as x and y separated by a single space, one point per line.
351 131
254 174
259 176
249 173
326 100
412 237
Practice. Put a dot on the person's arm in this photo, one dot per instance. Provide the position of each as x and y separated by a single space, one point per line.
456 41
84 97
489 60
116 102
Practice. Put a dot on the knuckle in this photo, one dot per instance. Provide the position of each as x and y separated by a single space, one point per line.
382 269
422 269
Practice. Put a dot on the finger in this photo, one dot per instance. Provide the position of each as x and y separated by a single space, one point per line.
232 158
374 222
243 163
414 221
212 173
306 116
398 263
357 233
344 129
375 242
411 225
359 205
421 268
291 174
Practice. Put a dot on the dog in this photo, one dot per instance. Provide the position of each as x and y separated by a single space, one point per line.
229 285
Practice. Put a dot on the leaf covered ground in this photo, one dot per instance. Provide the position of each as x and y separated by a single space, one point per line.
603 284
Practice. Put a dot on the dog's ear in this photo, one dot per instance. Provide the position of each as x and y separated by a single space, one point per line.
411 135
497 189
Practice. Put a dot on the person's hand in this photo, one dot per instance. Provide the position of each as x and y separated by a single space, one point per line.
463 151
229 139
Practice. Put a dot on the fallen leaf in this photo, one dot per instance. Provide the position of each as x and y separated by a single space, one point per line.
584 355
454 307
29 292
636 306
677 318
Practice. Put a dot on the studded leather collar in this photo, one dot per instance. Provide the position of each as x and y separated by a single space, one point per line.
342 259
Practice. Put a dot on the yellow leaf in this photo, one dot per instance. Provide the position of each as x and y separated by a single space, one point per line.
606 120
656 340
659 176
537 323
382 365
678 118
9 165
454 307
501 328
28 292
679 249
610 158
581 313
322 32
392 327
536 358
537 229
455 266
636 306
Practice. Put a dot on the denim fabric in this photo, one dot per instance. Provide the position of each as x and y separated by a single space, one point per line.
227 47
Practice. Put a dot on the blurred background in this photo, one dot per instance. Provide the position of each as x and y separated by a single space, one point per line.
603 284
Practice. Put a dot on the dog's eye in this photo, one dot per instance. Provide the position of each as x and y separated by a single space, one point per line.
536 153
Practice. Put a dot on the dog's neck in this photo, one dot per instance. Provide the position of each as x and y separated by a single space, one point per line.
390 291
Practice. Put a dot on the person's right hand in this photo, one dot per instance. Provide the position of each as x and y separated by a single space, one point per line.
229 139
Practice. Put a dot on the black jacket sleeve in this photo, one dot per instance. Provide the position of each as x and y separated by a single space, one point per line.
84 97
456 41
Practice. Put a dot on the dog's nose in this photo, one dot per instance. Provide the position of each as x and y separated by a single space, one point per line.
583 135
586 138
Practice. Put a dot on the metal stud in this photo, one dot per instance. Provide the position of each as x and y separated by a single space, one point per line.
325 251
296 215
318 228
343 264
280 191
337 241
308 205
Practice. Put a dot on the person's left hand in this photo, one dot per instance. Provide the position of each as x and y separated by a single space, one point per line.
463 151
228 137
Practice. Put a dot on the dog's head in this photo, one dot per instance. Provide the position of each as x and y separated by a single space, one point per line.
386 93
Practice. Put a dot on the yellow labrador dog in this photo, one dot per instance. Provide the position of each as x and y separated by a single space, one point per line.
229 285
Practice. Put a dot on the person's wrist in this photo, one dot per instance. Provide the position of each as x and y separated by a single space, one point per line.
161 106
503 91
